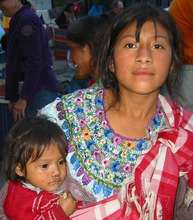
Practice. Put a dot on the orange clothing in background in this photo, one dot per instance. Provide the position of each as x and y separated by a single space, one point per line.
5 23
182 12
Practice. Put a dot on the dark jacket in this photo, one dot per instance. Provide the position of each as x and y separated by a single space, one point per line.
28 57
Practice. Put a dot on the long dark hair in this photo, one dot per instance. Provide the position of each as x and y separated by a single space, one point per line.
25 2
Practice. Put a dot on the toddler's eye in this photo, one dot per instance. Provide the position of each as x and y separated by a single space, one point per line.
44 166
61 162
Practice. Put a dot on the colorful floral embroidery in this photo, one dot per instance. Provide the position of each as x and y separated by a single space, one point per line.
99 155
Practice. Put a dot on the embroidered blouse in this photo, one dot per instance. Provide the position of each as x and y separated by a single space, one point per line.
99 158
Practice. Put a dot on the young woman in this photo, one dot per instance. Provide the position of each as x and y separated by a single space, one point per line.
127 143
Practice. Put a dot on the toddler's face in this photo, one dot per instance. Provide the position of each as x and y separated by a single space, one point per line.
48 172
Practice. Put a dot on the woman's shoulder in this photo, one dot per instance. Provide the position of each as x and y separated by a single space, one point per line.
69 101
177 115
83 93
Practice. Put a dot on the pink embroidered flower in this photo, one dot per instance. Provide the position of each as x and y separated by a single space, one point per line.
78 101
127 168
104 124
99 113
105 162
96 154
116 140
82 123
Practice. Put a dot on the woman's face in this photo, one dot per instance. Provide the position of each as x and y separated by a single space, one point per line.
142 67
10 7
81 58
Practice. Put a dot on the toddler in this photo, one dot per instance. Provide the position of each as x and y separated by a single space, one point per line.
36 169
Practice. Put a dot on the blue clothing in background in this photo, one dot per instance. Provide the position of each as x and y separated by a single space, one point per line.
96 10
75 84
42 98
2 32
29 59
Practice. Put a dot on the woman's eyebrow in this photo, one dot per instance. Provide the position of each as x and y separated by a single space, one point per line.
128 35
153 36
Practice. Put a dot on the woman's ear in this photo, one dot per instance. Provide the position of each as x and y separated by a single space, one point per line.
111 66
19 171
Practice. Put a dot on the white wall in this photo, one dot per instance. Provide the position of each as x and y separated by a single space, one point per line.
42 4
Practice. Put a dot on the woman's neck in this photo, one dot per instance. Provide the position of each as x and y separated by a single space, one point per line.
131 114
135 105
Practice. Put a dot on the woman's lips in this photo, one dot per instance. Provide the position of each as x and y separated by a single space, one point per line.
143 73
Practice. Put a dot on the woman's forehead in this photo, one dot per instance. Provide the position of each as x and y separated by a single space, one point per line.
135 28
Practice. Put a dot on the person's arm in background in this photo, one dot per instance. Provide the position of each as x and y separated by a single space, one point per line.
32 40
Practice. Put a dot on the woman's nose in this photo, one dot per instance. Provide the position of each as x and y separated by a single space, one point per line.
144 55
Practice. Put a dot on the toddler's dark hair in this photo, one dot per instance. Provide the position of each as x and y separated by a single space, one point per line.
27 140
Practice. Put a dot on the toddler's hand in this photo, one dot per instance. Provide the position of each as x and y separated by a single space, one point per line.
67 203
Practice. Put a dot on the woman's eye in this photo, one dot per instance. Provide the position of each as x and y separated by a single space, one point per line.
130 45
44 166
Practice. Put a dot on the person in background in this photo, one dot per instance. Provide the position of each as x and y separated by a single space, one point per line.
83 38
36 170
129 145
66 17
117 6
28 60
182 13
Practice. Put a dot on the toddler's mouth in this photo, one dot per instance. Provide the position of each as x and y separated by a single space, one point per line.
55 182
